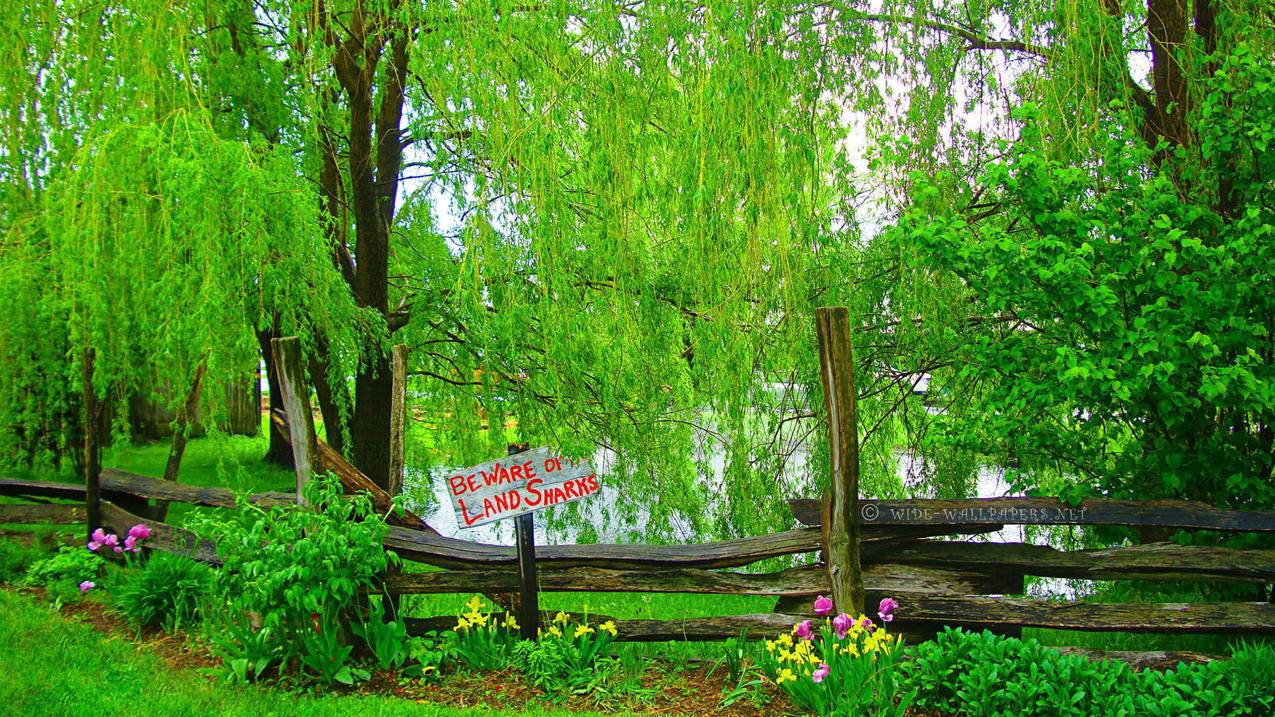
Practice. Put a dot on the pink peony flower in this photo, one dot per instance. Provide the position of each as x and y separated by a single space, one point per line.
841 624
823 606
87 585
804 630
139 531
820 672
130 545
886 609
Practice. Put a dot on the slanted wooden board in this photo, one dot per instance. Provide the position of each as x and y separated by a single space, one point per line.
517 484
1048 511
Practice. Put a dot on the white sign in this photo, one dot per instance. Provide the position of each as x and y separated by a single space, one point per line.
517 484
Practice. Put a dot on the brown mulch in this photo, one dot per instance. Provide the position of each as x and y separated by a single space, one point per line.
662 689
178 651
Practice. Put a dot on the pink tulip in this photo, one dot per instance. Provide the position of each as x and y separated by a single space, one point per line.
130 545
823 606
804 630
87 585
841 624
820 672
96 540
886 609
112 541
139 531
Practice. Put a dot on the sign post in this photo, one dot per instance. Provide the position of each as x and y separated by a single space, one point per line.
525 539
514 487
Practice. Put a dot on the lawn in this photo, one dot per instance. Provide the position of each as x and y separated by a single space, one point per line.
56 667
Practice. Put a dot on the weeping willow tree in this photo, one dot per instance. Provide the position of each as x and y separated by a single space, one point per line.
596 225
137 232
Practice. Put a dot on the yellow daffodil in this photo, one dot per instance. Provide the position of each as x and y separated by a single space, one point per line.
475 604
784 655
770 646
462 624
583 630
785 639
785 675
510 621
608 627
561 618
553 630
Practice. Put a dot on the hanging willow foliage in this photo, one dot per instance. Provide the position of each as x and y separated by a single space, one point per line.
595 224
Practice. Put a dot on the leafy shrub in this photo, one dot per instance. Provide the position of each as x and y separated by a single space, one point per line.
844 666
291 576
385 638
16 557
65 571
166 591
569 658
981 674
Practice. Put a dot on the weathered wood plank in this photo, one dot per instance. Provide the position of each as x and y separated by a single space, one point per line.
451 552
1048 511
1221 618
804 582
840 505
1142 660
48 513
353 480
286 353
1153 561
17 488
398 415
163 536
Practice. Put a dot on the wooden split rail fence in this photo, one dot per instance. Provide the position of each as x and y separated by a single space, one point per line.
937 581
864 550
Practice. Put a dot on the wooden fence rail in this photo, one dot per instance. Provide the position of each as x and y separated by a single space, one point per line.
1048 511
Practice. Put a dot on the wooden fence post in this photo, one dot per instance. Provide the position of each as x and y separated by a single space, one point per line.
841 500
92 451
398 416
528 586
286 353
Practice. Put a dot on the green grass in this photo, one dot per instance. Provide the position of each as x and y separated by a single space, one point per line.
58 668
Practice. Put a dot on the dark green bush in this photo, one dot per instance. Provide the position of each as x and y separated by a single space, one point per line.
63 572
16 557
290 581
984 675
167 591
